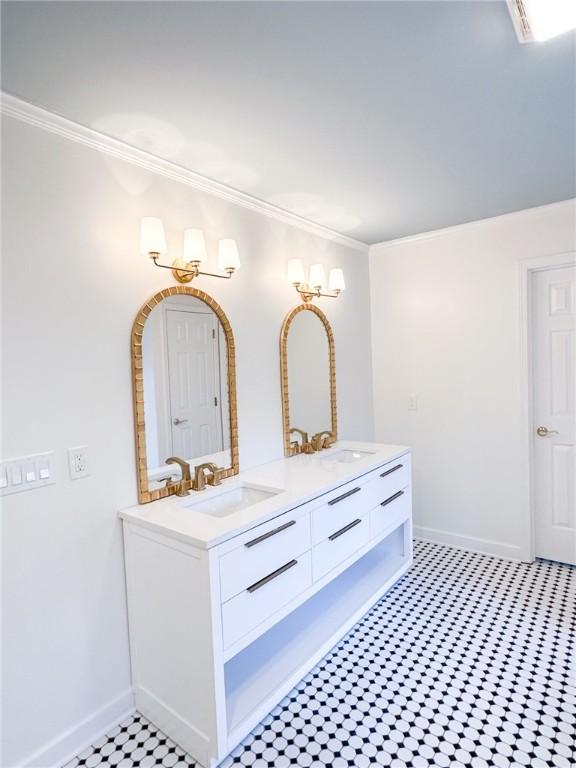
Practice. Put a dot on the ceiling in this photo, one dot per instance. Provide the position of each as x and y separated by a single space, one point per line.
376 119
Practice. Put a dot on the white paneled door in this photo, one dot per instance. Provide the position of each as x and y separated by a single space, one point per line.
192 342
554 417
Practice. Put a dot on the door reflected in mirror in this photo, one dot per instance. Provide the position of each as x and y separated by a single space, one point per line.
307 361
185 385
183 375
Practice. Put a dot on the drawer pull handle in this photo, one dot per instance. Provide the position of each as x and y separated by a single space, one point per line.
346 528
273 532
389 471
344 496
395 496
266 579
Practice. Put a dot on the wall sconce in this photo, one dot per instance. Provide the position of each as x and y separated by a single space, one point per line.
153 244
316 284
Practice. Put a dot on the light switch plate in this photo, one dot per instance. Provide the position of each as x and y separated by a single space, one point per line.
26 473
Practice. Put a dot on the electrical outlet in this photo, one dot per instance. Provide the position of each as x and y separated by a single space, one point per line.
412 402
78 462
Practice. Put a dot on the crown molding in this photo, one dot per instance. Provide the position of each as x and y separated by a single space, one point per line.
434 233
16 108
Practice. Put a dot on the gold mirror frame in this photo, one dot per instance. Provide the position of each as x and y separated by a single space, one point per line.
144 494
289 450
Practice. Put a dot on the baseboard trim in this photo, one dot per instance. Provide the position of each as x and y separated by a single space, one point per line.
77 738
471 543
183 733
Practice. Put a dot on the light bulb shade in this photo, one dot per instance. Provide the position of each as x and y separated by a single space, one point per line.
336 280
194 246
317 276
295 271
152 237
228 258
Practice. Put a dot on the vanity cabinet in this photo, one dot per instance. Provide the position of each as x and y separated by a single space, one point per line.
220 634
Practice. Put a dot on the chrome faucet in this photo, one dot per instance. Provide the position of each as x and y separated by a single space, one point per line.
200 478
304 446
322 440
180 486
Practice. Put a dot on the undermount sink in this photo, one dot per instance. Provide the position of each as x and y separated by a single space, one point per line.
347 456
228 500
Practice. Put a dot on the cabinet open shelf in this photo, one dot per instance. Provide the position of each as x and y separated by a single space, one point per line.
264 672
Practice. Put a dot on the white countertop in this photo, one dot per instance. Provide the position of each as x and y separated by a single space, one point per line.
298 478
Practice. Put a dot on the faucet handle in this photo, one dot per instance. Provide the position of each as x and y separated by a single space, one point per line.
216 477
168 481
317 441
322 440
329 439
200 478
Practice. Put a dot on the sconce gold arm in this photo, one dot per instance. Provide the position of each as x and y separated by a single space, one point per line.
187 275
308 293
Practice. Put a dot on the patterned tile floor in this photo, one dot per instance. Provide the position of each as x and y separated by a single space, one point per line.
468 661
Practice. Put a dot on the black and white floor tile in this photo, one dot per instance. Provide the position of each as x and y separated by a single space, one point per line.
468 661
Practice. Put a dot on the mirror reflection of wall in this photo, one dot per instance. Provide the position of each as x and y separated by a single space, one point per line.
185 375
309 374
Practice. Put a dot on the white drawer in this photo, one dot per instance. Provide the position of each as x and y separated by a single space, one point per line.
263 598
387 480
341 507
390 512
263 550
339 545
359 496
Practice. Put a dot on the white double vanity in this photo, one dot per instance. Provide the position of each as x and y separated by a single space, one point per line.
240 582
236 592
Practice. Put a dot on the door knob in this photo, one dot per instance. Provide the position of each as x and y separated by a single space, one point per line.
545 432
177 421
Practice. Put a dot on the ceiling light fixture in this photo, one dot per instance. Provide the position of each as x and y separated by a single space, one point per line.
316 284
194 253
539 20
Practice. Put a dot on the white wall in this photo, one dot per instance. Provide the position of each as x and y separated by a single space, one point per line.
446 327
73 282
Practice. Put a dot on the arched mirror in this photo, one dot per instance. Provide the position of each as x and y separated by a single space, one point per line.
308 377
184 379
